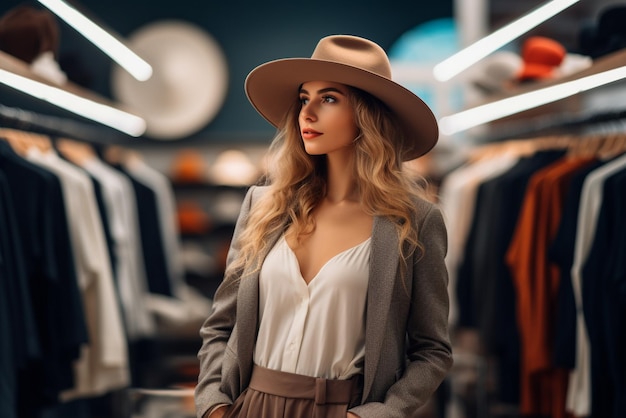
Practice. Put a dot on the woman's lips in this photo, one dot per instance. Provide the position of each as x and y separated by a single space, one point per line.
310 133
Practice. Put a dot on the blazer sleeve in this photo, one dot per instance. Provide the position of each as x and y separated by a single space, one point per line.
218 327
428 349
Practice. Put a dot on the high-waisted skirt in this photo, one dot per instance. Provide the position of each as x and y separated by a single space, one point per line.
275 394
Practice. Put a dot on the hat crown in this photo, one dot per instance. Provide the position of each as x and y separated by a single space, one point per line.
355 52
543 51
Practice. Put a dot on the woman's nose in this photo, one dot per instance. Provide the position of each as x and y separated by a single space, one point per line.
307 112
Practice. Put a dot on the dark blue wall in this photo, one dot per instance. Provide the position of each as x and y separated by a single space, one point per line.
250 32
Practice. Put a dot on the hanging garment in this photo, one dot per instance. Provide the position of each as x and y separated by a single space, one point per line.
536 282
579 390
166 210
9 338
151 235
103 365
51 280
131 279
601 302
561 253
457 200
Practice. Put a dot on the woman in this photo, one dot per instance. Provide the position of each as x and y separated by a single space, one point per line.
334 300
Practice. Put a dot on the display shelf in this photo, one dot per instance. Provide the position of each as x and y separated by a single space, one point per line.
523 121
207 213
19 67
213 208
206 186
614 60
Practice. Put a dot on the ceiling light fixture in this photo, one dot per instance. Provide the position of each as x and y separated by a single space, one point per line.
467 57
111 46
106 115
496 110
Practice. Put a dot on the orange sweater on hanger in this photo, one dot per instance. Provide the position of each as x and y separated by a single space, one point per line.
543 386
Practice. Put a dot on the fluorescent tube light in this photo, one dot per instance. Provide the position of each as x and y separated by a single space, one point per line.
511 105
106 115
467 57
119 52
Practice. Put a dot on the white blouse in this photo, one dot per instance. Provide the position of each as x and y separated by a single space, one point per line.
316 329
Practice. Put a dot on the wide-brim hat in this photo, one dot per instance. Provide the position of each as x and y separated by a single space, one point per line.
272 87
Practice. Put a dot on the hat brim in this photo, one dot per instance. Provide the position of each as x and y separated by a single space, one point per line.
273 86
533 71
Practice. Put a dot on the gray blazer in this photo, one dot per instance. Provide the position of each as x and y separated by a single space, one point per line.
407 348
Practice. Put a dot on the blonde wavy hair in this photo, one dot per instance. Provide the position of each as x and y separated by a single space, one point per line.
297 181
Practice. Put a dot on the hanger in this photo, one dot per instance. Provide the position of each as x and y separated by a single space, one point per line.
116 154
75 151
612 146
22 141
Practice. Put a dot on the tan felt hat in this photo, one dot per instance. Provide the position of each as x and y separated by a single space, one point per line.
272 87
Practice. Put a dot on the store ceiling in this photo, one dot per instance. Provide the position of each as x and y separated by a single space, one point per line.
249 32
254 32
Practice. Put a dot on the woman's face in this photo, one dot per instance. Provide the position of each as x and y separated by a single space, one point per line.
326 118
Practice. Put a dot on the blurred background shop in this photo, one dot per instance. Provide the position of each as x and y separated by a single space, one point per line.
121 175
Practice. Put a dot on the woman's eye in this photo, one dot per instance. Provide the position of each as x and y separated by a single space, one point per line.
329 99
304 100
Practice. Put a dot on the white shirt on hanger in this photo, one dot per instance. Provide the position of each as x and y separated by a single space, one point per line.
118 196
579 388
103 363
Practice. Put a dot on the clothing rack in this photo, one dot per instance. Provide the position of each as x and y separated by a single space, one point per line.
550 125
54 126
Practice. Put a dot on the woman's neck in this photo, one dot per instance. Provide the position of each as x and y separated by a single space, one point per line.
340 183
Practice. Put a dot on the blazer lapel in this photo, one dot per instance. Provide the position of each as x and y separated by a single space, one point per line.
382 274
248 316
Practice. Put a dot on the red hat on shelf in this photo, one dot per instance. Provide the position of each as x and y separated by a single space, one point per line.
541 57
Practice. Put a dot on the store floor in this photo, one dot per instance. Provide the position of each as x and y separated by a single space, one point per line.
166 403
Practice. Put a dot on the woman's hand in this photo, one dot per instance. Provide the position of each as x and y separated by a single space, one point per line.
219 412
